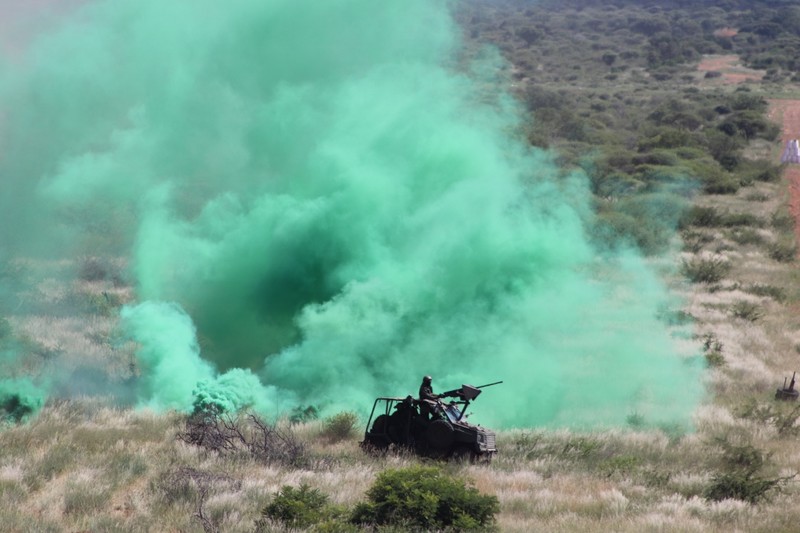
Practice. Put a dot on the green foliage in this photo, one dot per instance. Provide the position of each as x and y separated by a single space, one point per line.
297 507
81 499
748 124
340 427
771 291
725 149
619 465
580 447
782 221
745 236
302 414
57 459
741 484
646 220
705 270
722 185
747 311
425 498
783 416
783 251
741 476
706 217
713 350
763 171
748 102
741 219
635 420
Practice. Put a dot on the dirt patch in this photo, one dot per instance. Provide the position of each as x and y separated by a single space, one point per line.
730 69
726 32
787 113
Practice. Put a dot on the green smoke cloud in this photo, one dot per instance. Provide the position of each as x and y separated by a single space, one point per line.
331 202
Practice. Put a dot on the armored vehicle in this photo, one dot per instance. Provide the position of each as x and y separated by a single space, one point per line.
430 428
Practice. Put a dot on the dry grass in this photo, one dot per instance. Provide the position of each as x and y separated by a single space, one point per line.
83 466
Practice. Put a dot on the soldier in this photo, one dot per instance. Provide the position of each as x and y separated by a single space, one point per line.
426 393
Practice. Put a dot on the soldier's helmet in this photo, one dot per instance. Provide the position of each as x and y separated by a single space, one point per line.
427 380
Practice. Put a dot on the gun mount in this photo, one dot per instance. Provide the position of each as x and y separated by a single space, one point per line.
430 428
787 393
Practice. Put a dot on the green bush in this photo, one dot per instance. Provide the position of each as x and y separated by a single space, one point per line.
723 185
747 311
771 291
746 236
297 507
783 251
782 221
741 475
340 427
701 270
706 217
752 171
693 241
713 350
742 219
740 485
756 197
301 414
424 498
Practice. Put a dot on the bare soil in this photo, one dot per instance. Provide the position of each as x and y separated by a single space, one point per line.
726 32
733 72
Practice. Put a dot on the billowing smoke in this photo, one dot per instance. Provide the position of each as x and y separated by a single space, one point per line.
319 202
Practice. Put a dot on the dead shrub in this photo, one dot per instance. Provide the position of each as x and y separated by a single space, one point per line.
190 484
245 434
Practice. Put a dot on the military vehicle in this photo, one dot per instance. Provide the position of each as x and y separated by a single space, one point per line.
430 428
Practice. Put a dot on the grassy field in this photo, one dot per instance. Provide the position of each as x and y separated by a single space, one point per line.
83 464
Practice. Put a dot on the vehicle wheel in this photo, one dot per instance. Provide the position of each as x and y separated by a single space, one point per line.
463 454
440 435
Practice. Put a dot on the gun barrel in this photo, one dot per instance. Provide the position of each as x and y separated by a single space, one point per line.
489 384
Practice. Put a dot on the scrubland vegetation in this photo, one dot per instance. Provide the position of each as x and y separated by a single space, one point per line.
680 166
